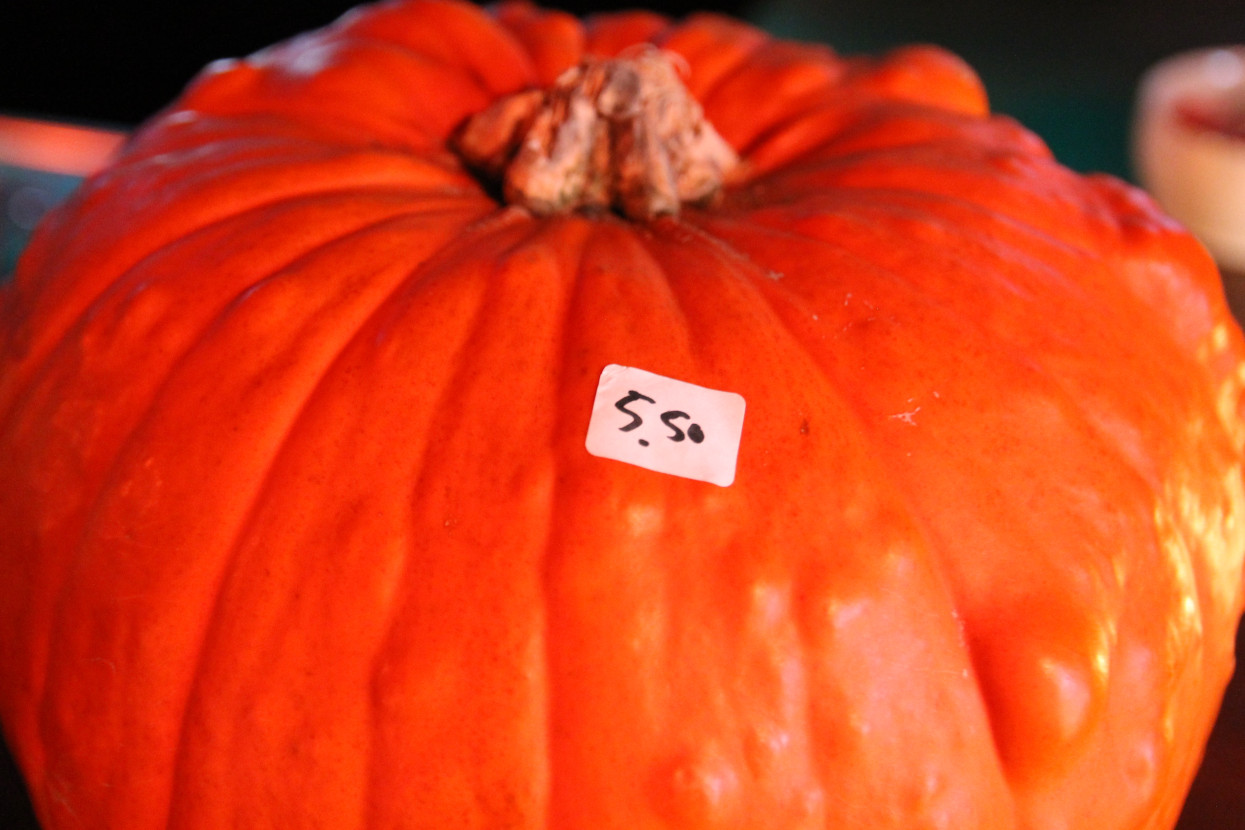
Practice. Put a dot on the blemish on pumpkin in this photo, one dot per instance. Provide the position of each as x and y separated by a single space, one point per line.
765 748
812 806
804 427
643 519
1141 768
101 661
908 417
702 790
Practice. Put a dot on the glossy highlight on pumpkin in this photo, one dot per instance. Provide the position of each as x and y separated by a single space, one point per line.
298 527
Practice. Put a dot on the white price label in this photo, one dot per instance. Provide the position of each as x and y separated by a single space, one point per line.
666 425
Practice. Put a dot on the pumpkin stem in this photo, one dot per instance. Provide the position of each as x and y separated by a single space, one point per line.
622 133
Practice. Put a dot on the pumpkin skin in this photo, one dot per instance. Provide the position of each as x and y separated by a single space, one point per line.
299 529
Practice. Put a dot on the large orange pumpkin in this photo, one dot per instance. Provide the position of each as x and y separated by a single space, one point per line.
299 528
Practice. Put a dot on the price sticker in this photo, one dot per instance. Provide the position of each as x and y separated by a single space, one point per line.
666 425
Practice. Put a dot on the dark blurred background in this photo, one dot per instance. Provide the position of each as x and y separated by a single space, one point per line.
1066 68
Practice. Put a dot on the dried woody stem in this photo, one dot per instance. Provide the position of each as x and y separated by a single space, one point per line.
622 133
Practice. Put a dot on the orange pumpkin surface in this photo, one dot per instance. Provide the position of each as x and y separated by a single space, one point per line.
298 528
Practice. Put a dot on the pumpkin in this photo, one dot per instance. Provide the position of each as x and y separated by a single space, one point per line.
301 529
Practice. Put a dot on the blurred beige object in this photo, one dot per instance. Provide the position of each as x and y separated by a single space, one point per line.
56 147
1189 145
41 162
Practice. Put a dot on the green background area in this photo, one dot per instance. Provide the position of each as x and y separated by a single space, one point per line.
1068 71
